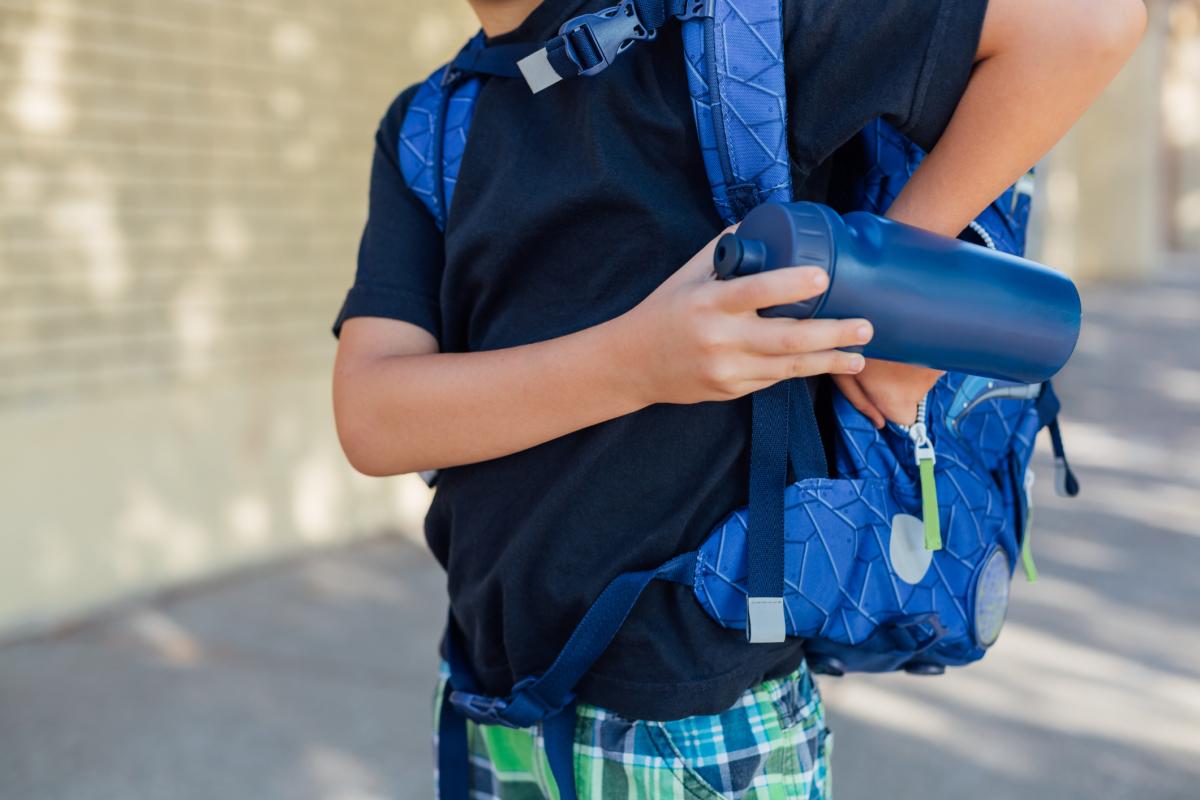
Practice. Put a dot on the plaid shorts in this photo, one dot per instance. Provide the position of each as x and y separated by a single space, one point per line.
772 744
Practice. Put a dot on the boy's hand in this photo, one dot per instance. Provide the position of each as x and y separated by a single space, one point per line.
885 390
696 339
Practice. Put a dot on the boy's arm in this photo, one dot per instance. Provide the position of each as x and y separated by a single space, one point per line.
401 406
1039 66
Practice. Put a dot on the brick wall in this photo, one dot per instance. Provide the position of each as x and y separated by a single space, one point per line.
182 182
182 187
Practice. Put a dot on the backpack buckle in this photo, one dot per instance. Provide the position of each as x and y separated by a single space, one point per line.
595 39
481 709
585 45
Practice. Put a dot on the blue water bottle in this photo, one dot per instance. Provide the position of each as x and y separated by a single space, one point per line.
934 301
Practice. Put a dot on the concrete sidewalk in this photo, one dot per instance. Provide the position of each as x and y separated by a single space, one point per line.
312 679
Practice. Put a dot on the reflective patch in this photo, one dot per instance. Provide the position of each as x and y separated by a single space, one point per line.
909 556
991 598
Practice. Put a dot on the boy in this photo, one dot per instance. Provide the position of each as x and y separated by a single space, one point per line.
584 396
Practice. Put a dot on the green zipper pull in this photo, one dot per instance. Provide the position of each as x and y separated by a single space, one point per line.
1031 573
929 505
926 458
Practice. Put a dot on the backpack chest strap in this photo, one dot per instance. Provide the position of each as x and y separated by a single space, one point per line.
589 43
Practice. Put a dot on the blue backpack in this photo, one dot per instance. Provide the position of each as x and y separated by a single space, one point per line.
902 559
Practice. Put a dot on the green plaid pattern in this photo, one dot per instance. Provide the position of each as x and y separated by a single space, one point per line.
772 744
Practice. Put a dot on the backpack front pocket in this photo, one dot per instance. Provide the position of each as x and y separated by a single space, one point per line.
856 564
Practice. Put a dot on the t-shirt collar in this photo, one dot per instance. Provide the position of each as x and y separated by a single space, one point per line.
542 23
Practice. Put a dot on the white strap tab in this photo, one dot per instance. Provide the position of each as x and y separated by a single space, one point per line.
765 620
537 71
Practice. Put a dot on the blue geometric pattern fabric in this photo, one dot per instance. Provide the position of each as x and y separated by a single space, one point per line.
739 97
843 593
841 585
433 137
419 159
891 159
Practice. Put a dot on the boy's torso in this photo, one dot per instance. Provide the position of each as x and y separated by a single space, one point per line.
571 207
604 195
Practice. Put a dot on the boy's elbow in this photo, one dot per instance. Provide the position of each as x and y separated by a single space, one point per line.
369 459
363 454
372 444
1107 32
365 463
359 428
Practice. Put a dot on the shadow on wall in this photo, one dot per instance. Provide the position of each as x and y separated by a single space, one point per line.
1181 121
181 194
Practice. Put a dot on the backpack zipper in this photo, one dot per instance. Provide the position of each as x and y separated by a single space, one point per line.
1024 187
988 240
926 457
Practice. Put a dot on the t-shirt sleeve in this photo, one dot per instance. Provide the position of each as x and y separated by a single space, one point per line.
401 256
851 61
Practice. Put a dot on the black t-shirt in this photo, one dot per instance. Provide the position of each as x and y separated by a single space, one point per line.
571 207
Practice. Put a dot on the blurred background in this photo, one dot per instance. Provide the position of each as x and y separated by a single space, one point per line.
199 598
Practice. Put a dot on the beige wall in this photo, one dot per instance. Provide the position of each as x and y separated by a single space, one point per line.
182 186
1101 205
1181 117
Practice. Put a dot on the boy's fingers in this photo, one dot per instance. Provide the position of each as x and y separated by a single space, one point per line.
806 365
777 287
858 398
781 337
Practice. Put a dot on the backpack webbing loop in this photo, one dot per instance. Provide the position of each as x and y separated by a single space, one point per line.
784 428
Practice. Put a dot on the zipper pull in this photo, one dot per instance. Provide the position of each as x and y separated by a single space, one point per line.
1065 482
1031 573
926 458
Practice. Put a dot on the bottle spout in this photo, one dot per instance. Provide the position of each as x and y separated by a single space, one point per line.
736 256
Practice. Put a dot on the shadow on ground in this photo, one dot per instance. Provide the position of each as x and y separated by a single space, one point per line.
308 680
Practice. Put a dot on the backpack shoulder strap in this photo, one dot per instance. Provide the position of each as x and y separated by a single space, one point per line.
433 135
736 76
738 84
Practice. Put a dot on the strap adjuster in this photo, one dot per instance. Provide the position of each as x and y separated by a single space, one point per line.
481 709
594 40
525 706
590 42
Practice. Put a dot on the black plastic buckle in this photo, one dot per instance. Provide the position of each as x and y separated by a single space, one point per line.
480 709
610 33
695 9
